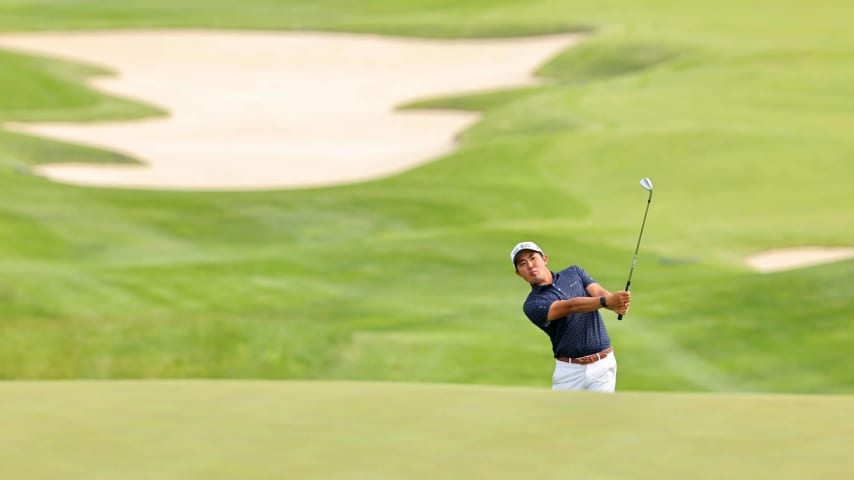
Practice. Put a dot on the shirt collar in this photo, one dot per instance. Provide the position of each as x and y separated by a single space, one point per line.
540 288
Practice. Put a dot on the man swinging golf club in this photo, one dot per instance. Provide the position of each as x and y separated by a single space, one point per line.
566 306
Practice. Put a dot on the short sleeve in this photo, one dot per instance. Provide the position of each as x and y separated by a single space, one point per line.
586 279
537 310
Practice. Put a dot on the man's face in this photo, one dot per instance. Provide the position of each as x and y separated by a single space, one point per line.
533 267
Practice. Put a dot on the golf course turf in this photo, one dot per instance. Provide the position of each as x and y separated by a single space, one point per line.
742 129
375 330
252 429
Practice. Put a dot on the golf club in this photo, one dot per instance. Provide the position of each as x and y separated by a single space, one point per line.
647 185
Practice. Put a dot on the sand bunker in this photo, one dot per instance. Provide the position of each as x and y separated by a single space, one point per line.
252 110
791 258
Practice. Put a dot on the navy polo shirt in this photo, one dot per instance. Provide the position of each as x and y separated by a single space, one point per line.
577 334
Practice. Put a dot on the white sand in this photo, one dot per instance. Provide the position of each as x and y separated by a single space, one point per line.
254 110
791 258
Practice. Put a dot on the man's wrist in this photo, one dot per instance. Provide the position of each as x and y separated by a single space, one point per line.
602 302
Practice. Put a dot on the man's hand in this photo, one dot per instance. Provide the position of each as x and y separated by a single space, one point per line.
619 301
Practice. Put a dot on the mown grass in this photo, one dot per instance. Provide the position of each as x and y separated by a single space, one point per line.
252 429
740 114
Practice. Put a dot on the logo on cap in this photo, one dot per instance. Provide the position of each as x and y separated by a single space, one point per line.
524 246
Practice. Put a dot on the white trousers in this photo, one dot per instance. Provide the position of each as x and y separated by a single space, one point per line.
599 376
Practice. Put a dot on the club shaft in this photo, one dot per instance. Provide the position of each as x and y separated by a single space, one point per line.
637 247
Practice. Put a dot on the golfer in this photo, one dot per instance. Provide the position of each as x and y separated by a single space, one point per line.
566 306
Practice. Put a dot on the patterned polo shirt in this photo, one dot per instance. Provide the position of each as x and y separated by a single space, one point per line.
577 334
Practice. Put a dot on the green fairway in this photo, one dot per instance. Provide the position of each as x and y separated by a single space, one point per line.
248 430
740 112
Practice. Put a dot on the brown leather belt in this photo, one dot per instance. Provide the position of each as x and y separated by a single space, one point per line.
588 359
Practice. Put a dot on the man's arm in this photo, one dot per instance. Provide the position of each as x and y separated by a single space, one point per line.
562 308
618 302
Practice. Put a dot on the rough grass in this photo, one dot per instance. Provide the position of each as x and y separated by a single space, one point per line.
744 126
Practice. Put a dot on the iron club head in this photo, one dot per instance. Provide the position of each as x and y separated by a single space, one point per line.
646 184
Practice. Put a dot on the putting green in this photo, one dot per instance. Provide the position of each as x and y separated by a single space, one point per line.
257 429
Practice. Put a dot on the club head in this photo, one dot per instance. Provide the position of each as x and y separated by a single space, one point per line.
646 184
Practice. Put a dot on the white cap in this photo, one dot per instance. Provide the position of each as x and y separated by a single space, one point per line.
524 246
